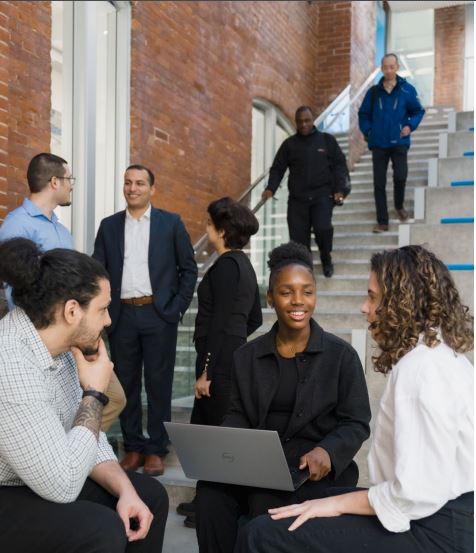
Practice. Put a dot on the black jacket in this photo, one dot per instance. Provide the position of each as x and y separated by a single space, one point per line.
172 266
316 166
332 405
228 303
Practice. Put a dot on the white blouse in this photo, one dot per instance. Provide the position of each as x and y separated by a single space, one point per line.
422 450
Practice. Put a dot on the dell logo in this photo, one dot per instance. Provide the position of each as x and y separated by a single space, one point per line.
228 457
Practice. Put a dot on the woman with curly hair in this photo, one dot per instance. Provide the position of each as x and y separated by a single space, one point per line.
300 381
421 459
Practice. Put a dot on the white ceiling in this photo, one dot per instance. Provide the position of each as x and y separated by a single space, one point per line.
410 6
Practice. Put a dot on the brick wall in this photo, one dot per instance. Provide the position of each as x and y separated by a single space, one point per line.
449 56
25 90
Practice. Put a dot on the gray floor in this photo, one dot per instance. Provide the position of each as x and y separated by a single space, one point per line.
179 539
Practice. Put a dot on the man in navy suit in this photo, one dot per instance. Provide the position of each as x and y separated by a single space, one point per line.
150 260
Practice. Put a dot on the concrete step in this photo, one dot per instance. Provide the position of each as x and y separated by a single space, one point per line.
346 283
383 240
366 173
413 154
417 180
178 538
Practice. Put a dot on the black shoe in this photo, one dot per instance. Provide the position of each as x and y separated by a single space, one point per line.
189 521
328 270
186 509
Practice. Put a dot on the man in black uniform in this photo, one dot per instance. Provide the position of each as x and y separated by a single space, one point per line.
317 177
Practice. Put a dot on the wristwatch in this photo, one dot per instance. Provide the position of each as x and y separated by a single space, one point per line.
102 398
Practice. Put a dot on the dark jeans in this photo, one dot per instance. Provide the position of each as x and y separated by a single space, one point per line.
220 506
380 159
449 530
141 337
316 215
30 524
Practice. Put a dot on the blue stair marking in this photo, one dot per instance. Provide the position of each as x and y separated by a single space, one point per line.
453 220
460 266
462 183
468 154
471 129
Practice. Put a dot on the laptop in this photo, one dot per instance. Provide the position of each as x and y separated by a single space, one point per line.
243 456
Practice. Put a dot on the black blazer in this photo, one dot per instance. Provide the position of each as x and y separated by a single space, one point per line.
172 266
332 404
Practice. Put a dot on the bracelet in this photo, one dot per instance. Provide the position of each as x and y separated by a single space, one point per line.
102 398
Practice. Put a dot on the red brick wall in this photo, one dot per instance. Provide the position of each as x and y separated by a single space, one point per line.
25 90
449 56
362 63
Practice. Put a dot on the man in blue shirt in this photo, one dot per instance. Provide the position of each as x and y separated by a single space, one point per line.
51 184
390 111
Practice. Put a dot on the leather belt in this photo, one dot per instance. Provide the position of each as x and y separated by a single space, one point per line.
144 300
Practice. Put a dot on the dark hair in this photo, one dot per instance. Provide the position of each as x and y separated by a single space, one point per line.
290 253
42 168
418 297
40 281
236 220
300 109
139 167
389 55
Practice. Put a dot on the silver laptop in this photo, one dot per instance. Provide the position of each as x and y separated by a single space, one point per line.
234 456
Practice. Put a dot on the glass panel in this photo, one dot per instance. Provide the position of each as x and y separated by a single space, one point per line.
105 109
412 39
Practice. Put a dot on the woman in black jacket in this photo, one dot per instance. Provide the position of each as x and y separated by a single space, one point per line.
229 311
301 381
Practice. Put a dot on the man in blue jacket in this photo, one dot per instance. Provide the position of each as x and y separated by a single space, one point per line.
390 112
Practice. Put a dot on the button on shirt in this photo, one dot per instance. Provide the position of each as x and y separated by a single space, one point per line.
135 272
422 450
28 221
39 398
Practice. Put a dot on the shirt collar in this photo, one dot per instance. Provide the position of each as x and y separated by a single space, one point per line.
34 211
315 344
28 334
145 215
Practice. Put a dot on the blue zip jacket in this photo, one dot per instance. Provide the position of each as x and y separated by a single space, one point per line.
382 116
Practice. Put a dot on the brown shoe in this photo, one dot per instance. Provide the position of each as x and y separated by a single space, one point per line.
402 214
380 228
132 461
154 466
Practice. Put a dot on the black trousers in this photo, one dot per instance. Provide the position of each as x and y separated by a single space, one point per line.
450 530
142 338
220 506
30 524
211 410
380 159
314 214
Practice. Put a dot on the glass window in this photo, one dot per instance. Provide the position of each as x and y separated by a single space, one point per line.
412 39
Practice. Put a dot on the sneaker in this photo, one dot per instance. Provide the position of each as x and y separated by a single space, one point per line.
190 521
380 228
186 509
402 214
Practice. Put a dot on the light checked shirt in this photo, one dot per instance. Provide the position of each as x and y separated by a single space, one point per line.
39 398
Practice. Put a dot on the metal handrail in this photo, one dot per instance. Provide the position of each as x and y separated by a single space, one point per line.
200 246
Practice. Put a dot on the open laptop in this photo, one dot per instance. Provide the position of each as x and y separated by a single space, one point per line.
234 456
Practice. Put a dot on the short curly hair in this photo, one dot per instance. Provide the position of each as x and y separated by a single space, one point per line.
290 253
418 297
236 221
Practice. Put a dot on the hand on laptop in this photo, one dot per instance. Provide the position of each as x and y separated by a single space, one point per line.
318 463
202 385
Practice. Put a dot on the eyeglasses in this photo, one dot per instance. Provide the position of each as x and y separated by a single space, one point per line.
72 180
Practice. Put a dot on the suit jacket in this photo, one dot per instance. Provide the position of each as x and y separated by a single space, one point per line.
332 405
172 266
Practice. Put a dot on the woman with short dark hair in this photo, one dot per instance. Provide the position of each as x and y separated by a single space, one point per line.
421 459
229 311
300 381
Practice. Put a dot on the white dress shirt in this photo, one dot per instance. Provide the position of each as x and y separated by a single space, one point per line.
135 272
39 398
422 450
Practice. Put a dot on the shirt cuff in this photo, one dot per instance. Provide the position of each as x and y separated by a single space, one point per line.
105 451
391 518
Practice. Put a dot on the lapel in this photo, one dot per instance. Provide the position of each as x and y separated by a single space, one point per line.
267 373
155 251
120 229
